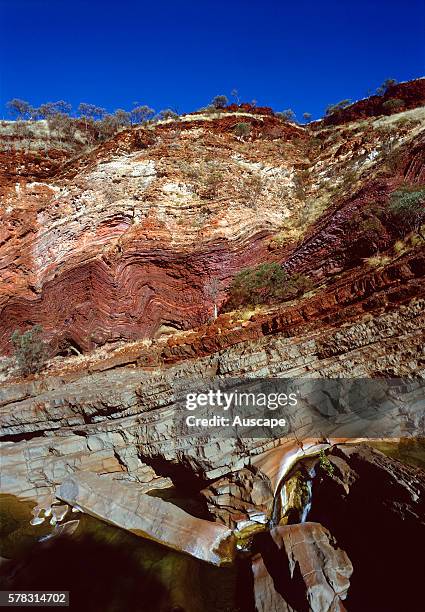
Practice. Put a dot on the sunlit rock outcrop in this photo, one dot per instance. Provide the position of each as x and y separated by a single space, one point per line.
133 231
125 506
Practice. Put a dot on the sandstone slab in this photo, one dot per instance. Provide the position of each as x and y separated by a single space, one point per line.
123 505
300 568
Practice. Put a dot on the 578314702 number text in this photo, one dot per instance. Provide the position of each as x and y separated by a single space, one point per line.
34 598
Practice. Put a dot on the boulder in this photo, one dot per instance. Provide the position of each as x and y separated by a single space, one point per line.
124 505
299 567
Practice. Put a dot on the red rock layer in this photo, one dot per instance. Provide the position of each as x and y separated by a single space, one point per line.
122 240
352 297
411 93
129 298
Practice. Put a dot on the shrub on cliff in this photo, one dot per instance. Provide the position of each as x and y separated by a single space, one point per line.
49 109
141 114
30 351
382 89
122 117
325 464
407 206
287 115
167 113
336 108
209 182
21 130
242 130
62 125
265 284
251 189
91 111
393 105
368 232
21 109
220 102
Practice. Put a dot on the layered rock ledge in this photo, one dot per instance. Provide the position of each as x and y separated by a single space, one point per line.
123 505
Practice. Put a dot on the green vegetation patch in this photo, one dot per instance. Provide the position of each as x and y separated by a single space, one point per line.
408 206
31 352
325 464
267 283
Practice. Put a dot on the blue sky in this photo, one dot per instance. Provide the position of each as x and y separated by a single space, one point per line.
301 55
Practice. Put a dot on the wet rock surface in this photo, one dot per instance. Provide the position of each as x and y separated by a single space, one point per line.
300 568
375 508
123 505
108 569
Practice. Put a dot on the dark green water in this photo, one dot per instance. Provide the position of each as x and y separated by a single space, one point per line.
409 450
107 569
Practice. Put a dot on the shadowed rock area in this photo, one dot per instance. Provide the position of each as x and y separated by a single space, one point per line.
300 568
375 508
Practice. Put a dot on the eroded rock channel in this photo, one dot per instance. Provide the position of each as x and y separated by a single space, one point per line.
322 562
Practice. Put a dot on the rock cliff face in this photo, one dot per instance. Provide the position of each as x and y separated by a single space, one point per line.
408 95
115 251
134 231
391 525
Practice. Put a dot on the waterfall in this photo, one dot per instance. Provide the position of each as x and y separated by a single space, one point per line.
307 507
279 506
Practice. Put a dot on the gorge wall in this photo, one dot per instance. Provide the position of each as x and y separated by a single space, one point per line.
134 231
